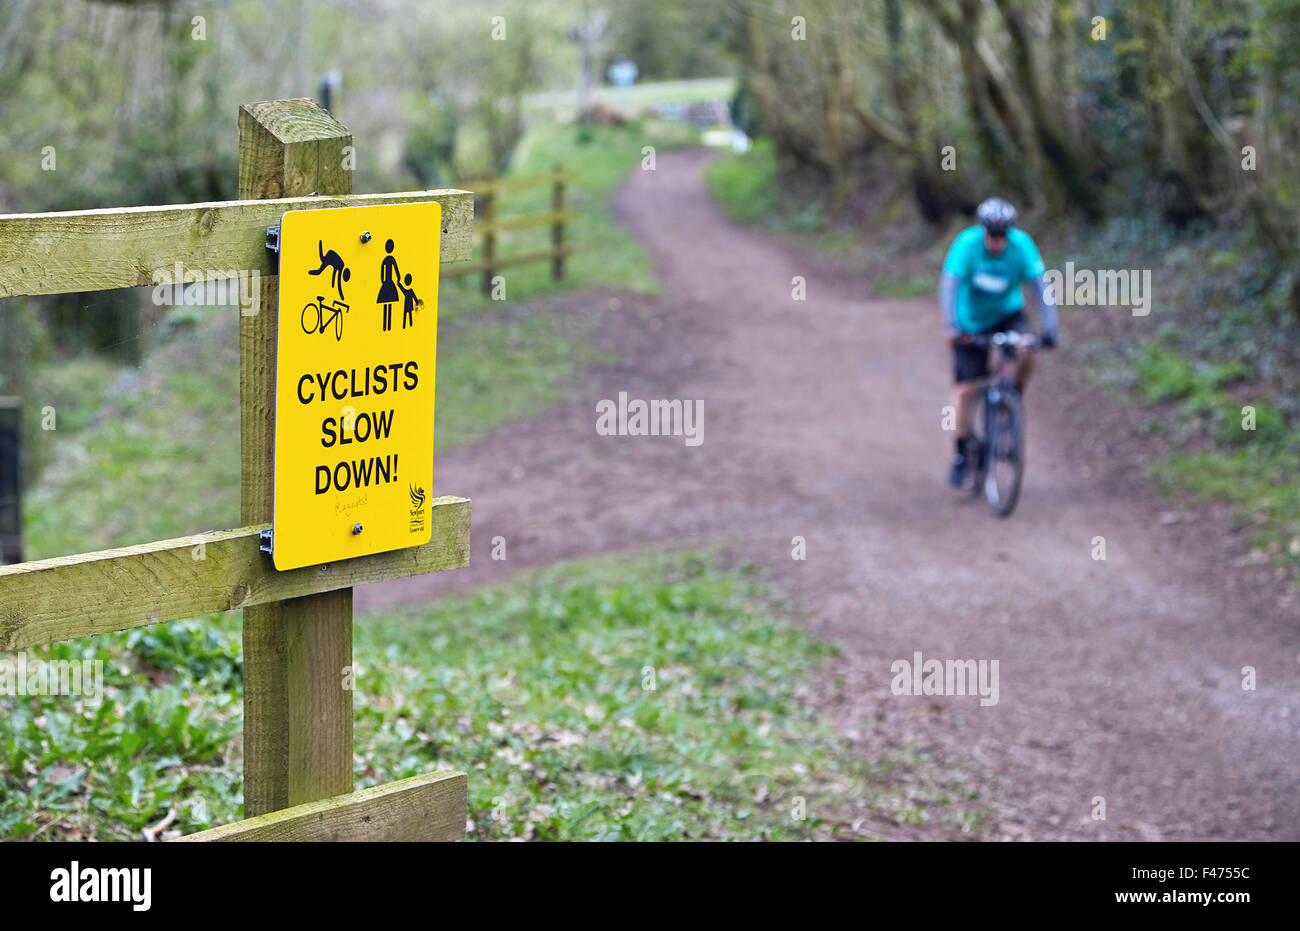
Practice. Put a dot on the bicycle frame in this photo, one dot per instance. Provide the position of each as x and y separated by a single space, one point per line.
998 394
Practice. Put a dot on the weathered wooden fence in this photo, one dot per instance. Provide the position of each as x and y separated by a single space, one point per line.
298 765
489 193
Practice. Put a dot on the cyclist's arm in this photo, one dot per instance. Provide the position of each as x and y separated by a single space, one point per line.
948 302
1046 310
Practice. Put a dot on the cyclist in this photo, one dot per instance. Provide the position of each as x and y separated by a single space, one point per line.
980 293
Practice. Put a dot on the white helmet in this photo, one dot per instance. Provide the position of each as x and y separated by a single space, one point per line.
996 215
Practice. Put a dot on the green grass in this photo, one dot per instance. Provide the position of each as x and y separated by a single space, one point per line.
1262 487
161 737
1220 437
1218 349
633 698
159 455
501 363
744 184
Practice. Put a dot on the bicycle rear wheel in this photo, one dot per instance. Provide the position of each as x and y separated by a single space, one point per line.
311 317
1004 455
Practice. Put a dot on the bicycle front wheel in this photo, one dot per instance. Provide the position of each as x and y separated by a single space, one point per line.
1005 455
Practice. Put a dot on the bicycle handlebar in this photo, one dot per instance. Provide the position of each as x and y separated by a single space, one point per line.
1007 338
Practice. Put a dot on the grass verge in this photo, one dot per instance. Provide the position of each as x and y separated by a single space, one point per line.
642 697
744 184
1214 436
1213 370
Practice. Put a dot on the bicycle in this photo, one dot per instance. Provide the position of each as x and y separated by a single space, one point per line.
316 314
1000 458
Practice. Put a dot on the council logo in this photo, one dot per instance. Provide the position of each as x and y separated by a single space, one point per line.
417 509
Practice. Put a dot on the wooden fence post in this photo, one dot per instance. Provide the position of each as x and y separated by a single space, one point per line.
557 230
489 240
297 715
11 480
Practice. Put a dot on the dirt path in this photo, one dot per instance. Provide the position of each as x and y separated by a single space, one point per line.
1118 678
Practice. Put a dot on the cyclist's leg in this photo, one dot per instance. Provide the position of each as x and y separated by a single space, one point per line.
963 402
970 364
1025 362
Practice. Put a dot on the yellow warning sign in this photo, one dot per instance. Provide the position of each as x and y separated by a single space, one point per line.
357 345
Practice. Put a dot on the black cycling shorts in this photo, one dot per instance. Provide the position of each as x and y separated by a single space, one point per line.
971 362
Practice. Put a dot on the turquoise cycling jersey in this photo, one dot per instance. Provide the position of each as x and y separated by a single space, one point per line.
989 286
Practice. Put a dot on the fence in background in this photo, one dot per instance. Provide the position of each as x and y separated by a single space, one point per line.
489 194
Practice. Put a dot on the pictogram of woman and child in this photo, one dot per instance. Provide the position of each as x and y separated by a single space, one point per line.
390 284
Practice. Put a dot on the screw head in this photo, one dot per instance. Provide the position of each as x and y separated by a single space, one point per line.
365 237
356 529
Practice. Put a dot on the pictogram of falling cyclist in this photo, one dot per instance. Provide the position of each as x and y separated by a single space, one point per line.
317 317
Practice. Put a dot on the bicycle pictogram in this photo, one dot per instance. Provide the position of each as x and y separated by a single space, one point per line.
317 316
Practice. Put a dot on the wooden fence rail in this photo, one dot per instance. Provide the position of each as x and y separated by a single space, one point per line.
93 250
421 808
488 192
66 597
298 754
